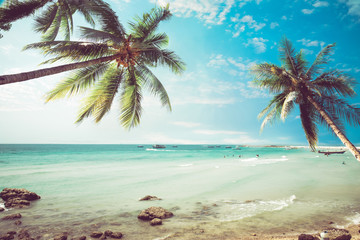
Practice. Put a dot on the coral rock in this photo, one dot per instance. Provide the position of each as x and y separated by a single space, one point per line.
12 216
149 198
96 234
154 212
116 235
307 237
156 221
15 197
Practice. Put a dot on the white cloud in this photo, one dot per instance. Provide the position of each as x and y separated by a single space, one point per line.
284 17
354 7
218 132
307 11
274 25
311 43
217 61
186 124
209 11
320 4
244 2
258 44
307 51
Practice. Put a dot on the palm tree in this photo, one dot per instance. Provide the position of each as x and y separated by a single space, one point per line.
57 17
318 93
110 62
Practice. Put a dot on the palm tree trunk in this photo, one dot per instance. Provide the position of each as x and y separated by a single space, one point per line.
20 77
336 130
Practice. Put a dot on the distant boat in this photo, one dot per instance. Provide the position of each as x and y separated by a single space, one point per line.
210 146
228 147
218 146
174 146
331 152
237 148
158 146
140 146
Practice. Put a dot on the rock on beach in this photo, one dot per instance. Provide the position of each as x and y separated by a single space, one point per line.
154 212
149 198
17 198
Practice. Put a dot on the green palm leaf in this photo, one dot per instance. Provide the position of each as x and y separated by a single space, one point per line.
80 81
152 83
131 102
99 102
321 59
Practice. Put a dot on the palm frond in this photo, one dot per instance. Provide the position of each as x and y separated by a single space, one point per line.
131 102
14 10
288 105
272 112
146 25
153 84
288 57
154 56
335 82
71 50
321 59
339 108
99 102
54 28
271 77
300 63
80 81
99 36
107 18
46 18
308 118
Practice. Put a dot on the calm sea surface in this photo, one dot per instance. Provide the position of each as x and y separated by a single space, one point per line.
85 188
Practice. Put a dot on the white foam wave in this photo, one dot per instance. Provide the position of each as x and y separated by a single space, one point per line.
2 205
354 220
159 150
232 211
259 161
186 165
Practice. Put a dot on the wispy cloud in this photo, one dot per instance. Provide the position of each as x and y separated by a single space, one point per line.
274 25
307 11
241 23
209 11
320 4
353 5
258 44
218 132
187 124
311 43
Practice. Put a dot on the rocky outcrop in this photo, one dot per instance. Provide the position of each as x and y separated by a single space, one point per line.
156 221
339 234
96 234
2 209
62 236
154 212
17 198
307 237
149 198
12 216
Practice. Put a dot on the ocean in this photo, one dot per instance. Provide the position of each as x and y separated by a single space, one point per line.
224 190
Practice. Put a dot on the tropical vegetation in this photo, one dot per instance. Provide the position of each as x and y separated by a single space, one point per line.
110 63
319 93
55 16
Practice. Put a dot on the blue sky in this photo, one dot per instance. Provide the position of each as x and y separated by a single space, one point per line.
213 101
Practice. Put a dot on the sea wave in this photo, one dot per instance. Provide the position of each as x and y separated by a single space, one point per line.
159 150
354 220
186 165
259 160
232 211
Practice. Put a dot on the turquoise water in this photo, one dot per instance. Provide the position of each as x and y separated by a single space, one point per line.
96 187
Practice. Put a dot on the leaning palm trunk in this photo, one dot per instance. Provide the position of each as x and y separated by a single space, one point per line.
20 77
336 130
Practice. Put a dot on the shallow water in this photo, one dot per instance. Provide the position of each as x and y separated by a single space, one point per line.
96 187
